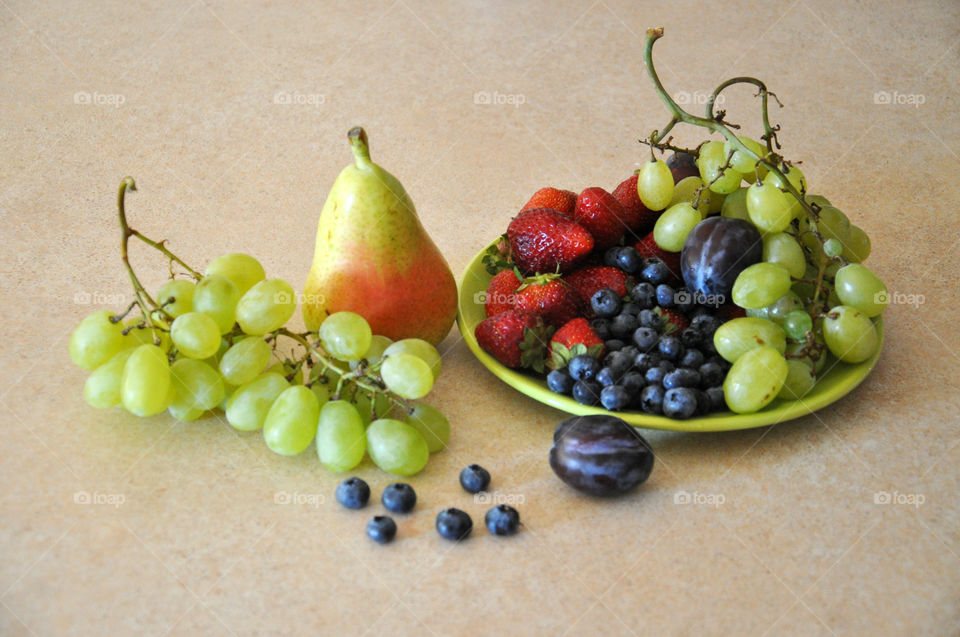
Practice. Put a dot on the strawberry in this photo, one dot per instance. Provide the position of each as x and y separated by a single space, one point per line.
574 338
648 248
602 215
549 297
673 321
514 338
586 282
635 214
501 292
544 240
560 200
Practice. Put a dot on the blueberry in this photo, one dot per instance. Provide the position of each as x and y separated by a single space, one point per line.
645 338
610 256
649 318
583 367
605 303
474 478
631 308
381 529
586 392
670 347
692 358
623 325
602 327
665 295
655 375
706 323
629 351
614 344
681 377
704 404
651 399
353 493
559 381
691 337
717 401
666 366
399 497
645 295
655 271
614 398
628 260
619 362
454 524
679 403
645 360
606 377
711 374
502 520
633 382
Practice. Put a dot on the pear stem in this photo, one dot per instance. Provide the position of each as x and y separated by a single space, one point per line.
360 146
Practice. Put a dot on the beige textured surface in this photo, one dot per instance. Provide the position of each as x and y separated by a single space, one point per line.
199 546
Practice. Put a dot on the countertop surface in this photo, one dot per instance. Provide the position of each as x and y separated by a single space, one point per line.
232 117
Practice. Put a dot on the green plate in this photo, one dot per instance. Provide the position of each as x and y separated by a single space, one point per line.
840 379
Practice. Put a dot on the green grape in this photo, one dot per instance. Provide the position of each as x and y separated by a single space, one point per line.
197 384
217 297
832 248
286 368
796 324
799 381
369 409
760 284
228 392
322 392
754 380
181 292
96 340
738 336
712 158
341 436
833 224
396 447
713 205
686 190
146 388
345 335
673 226
851 335
240 269
419 348
245 360
266 306
816 360
857 247
102 388
760 312
655 185
143 335
407 376
292 421
769 209
432 425
820 200
735 205
793 175
250 403
858 287
184 412
196 335
740 160
378 345
779 309
782 249
804 288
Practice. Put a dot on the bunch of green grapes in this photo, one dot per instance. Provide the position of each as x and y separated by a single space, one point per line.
211 343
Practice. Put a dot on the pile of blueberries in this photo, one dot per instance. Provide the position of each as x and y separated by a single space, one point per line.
648 364
451 523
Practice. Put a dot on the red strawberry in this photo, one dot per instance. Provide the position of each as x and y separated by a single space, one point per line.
636 215
544 240
648 248
602 215
560 200
586 281
673 321
574 338
515 338
548 296
501 292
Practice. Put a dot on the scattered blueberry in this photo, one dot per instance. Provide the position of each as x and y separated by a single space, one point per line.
646 338
645 360
691 337
670 347
474 478
583 367
631 308
602 327
649 318
645 295
399 497
704 404
502 520
623 326
651 399
610 257
681 377
628 260
454 524
629 351
633 382
692 358
559 381
606 377
382 529
605 303
665 295
353 493
655 271
655 375
614 344
586 392
706 323
680 403
717 401
614 398
711 374
619 362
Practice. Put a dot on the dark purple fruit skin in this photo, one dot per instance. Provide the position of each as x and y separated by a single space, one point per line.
716 251
682 165
600 455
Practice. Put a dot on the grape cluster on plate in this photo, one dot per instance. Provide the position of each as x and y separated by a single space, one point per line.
214 341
